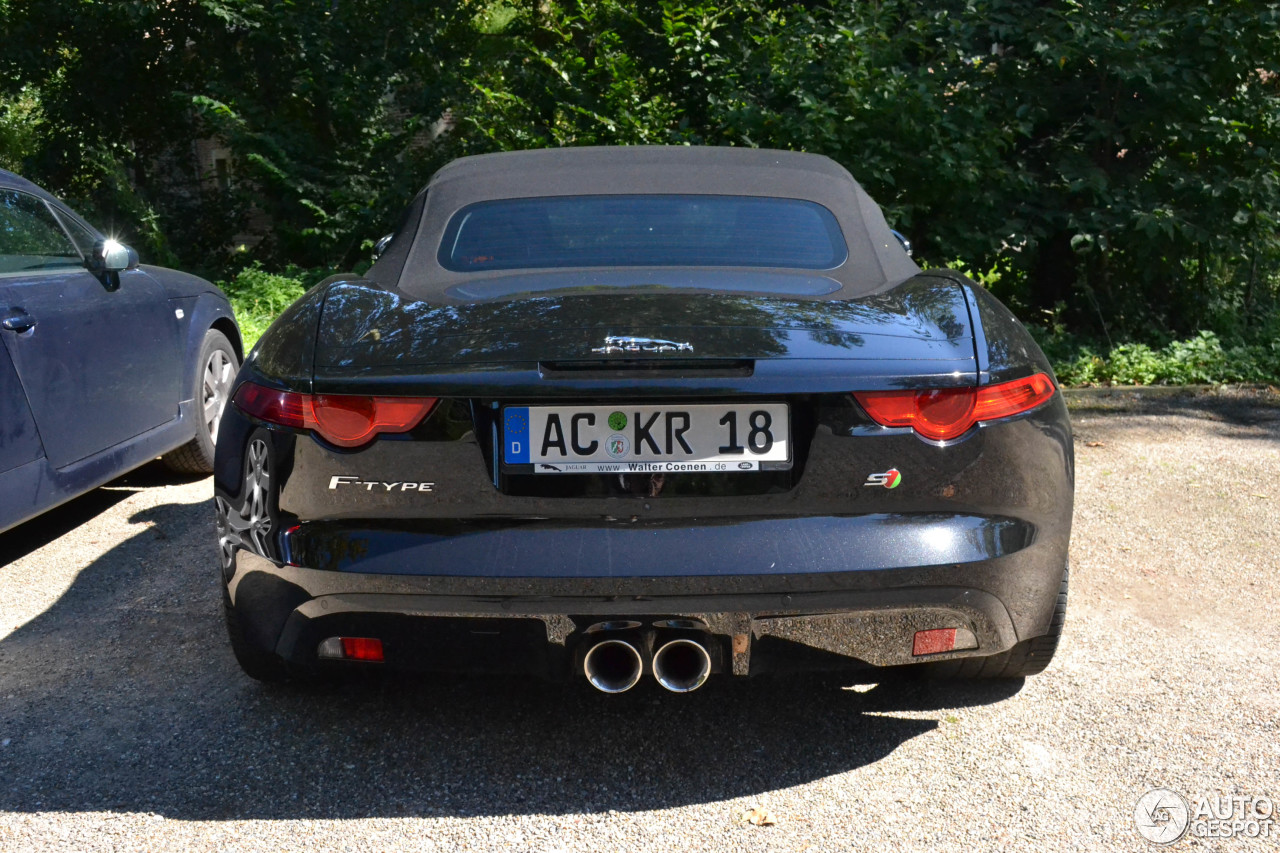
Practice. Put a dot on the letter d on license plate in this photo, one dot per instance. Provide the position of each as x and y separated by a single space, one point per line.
616 438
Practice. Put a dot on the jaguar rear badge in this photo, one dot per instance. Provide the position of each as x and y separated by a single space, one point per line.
616 343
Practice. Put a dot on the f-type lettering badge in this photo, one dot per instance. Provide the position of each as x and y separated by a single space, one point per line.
379 485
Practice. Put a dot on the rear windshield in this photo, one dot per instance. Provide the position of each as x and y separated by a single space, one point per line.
642 230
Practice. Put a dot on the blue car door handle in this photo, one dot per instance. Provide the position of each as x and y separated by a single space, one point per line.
17 320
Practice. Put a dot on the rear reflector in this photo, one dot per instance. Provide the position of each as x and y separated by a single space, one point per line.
368 649
933 642
340 419
940 640
946 413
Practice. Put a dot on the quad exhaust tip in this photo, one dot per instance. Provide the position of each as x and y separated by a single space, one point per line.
613 666
682 665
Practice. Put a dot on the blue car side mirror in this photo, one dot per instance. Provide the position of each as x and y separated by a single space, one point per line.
108 260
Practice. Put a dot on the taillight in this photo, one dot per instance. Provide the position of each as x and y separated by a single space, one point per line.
277 407
367 649
946 413
340 419
353 421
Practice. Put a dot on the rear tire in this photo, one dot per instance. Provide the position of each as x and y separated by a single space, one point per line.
257 664
1030 657
216 367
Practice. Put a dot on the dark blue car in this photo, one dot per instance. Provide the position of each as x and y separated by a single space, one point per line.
105 364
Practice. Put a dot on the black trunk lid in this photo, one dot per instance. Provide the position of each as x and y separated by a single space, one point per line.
918 332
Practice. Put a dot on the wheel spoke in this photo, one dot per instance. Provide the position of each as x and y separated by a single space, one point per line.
217 380
230 527
252 523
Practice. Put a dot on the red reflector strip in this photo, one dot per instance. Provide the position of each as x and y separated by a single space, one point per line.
368 648
340 419
934 641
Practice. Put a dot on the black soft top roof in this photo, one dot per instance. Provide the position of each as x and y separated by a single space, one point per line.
876 260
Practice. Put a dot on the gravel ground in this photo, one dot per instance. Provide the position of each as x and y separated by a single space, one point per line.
125 724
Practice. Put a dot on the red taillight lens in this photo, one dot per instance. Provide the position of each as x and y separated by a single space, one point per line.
353 421
349 420
940 413
278 407
1012 398
340 419
945 413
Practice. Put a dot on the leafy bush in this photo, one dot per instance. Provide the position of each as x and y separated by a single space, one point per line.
259 296
1201 359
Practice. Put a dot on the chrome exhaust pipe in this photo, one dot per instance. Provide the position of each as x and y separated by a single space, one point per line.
613 666
682 665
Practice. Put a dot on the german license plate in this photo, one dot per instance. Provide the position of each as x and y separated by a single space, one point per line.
719 437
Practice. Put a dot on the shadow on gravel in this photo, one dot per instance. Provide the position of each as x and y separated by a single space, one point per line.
1243 413
52 525
124 696
153 474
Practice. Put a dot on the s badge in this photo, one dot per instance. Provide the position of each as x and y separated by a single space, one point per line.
889 479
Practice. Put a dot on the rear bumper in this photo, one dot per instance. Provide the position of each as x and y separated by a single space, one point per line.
806 593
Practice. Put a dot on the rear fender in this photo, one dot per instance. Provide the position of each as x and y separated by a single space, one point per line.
209 311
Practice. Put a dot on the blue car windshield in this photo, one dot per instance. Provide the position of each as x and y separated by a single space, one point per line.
642 230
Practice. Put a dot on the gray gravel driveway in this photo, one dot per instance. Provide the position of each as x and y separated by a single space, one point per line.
126 725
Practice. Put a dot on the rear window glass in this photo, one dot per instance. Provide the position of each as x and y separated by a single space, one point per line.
642 230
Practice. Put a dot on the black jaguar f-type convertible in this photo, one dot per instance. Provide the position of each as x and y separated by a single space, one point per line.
630 412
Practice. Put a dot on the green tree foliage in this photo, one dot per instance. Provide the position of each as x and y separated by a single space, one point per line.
1118 158
1114 165
329 107
326 105
113 81
20 125
1141 142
